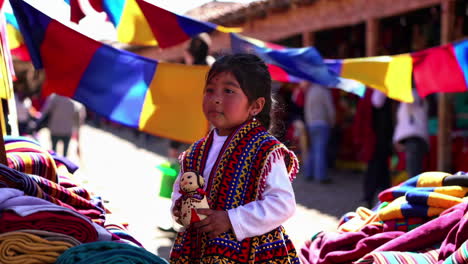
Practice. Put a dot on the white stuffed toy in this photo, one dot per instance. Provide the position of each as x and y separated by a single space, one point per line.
193 197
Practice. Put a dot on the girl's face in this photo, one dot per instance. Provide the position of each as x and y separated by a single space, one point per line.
225 105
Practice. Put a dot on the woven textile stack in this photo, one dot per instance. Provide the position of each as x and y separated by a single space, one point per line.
422 220
46 217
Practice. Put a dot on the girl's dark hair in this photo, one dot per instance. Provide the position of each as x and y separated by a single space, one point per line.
252 75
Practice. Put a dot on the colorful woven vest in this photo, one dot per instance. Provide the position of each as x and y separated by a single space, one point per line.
237 178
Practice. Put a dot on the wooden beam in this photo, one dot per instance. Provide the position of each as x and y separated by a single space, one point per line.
320 15
326 14
445 100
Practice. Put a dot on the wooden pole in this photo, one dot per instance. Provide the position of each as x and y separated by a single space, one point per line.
445 112
308 39
3 158
7 86
372 35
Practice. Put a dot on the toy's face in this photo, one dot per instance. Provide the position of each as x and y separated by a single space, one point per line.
189 182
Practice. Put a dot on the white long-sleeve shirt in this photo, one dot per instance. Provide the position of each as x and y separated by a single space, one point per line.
261 216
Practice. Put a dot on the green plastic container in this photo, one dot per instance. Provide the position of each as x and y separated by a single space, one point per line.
169 174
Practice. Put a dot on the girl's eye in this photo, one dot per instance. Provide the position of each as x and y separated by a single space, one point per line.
208 90
229 91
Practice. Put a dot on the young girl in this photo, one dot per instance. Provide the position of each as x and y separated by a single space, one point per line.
248 173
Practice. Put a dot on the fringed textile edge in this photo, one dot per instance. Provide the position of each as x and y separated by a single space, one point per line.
292 165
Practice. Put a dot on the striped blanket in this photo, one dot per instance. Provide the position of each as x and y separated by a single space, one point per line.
48 190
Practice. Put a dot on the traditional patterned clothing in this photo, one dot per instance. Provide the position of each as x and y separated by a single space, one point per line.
238 177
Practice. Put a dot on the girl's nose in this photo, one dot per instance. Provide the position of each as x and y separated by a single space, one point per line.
217 99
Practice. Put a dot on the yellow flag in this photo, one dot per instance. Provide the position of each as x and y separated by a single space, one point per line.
173 104
388 74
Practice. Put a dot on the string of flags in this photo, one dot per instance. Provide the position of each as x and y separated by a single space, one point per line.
121 86
140 22
145 91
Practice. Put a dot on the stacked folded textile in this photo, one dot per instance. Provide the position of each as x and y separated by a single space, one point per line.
422 220
27 247
19 211
108 252
42 188
33 163
52 236
50 221
29 157
44 213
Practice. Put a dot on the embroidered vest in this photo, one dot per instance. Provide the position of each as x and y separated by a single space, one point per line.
237 178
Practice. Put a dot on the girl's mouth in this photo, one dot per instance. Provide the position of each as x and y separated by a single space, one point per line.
215 113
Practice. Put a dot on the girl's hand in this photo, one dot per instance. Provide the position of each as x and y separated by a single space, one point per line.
215 223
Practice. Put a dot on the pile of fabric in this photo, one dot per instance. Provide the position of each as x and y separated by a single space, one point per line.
46 217
422 220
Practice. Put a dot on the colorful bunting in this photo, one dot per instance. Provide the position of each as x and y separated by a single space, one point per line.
15 39
119 85
6 61
441 69
297 63
438 69
389 74
77 13
140 22
294 64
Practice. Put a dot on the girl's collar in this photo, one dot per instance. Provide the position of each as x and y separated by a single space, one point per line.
217 136
234 131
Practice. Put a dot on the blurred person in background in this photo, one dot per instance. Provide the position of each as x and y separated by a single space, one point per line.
64 117
24 114
319 115
412 133
377 176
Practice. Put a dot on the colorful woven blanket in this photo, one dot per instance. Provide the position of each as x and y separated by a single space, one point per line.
460 256
428 256
33 163
425 195
426 179
42 188
418 205
34 159
28 156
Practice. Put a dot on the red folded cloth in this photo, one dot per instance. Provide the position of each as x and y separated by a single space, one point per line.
58 222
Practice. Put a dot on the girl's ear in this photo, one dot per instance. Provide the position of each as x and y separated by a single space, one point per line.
257 106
